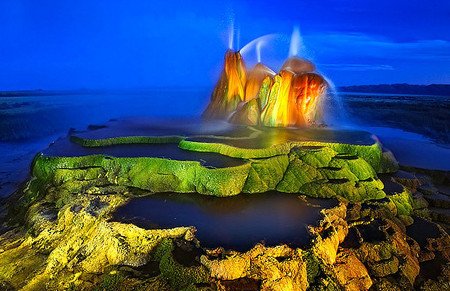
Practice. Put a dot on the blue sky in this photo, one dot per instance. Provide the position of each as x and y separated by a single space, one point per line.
140 44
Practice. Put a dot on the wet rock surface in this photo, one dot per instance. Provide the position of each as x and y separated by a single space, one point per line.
59 234
353 246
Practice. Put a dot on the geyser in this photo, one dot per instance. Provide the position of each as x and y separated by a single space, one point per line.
229 90
291 98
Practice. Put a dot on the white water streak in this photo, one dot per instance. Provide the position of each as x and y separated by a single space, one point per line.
258 50
231 34
262 40
296 43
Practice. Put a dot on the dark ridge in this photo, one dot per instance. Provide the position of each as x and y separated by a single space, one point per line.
433 89
331 168
186 253
95 127
346 157
149 270
421 230
338 181
240 284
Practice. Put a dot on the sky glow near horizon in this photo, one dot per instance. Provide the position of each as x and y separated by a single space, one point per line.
138 44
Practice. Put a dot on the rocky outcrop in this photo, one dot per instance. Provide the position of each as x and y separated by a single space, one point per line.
71 244
324 171
276 268
293 97
230 89
378 235
76 240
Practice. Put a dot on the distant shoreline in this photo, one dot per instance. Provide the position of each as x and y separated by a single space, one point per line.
433 89
24 93
41 92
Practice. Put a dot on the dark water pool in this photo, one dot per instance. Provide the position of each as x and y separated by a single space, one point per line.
237 222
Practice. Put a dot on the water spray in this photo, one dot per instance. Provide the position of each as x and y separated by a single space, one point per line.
231 34
262 40
258 51
238 38
296 43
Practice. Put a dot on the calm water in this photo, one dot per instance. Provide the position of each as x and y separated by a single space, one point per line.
237 222
425 115
29 124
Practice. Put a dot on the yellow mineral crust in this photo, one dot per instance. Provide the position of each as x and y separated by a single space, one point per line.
80 240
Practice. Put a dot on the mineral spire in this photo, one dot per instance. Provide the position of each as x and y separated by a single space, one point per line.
291 98
230 89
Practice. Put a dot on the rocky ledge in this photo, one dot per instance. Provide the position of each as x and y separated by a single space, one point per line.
388 231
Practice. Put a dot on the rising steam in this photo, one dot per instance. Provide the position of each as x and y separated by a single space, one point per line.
260 41
231 34
296 43
258 51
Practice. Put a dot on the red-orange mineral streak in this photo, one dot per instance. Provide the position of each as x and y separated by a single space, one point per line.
229 91
306 91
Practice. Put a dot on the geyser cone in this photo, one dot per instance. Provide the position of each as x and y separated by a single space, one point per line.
293 99
276 111
298 65
230 90
255 79
290 98
247 113
305 96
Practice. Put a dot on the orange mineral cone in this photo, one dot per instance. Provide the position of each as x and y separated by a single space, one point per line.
307 90
290 98
229 91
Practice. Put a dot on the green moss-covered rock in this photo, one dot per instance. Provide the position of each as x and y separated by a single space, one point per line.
404 202
86 142
264 175
322 172
310 168
298 174
179 276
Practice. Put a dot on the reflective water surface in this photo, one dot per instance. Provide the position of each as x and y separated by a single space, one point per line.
237 222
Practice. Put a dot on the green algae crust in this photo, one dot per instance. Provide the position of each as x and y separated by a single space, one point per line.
371 153
86 142
309 169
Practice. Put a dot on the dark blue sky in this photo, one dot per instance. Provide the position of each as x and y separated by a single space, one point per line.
75 44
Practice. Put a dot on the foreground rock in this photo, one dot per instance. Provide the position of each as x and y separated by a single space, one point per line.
356 246
380 236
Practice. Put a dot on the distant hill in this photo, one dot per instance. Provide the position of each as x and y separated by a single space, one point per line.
433 89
